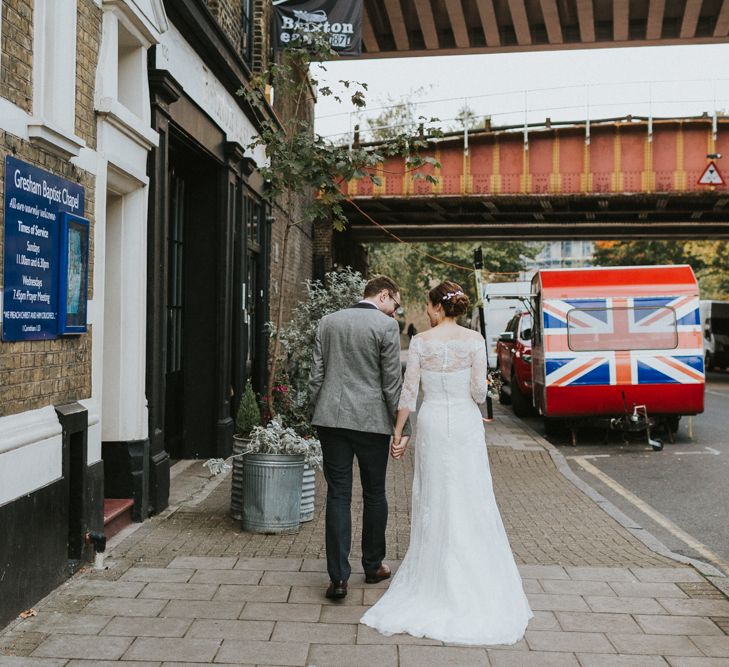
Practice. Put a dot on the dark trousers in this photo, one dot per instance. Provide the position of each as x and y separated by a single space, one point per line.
339 447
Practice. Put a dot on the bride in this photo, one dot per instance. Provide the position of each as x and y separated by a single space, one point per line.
458 582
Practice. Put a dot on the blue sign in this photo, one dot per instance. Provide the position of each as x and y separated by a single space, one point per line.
34 201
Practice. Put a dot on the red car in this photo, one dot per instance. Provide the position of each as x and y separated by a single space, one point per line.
514 360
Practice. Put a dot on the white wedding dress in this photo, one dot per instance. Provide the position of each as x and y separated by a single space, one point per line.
458 582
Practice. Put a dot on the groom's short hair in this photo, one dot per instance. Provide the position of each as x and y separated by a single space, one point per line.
378 283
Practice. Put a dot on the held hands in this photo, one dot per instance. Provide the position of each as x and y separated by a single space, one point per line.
398 445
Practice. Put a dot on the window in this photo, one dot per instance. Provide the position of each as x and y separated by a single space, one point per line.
624 328
131 71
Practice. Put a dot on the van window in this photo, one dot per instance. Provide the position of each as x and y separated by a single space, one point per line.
626 328
719 325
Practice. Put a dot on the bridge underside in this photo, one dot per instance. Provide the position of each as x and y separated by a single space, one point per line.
702 215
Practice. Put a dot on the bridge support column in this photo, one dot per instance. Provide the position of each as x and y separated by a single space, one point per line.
336 250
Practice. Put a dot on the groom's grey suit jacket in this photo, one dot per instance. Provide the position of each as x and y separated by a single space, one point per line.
356 374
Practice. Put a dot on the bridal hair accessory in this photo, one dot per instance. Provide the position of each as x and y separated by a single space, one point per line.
450 295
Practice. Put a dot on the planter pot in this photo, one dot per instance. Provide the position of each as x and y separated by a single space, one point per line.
236 487
308 491
272 493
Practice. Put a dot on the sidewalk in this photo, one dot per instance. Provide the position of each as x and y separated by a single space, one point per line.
188 587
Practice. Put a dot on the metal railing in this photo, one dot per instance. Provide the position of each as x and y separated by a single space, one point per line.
529 108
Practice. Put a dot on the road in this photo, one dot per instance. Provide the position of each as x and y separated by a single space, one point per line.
680 494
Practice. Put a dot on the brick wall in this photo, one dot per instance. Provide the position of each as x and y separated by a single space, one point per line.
16 65
261 34
228 14
88 39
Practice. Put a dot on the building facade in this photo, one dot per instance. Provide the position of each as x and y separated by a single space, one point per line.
141 122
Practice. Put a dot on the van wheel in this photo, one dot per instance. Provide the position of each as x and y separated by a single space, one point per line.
672 423
518 400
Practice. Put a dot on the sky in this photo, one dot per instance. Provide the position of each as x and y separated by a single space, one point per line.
562 85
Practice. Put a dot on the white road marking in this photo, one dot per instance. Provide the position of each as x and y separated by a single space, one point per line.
721 394
712 450
709 450
656 516
590 456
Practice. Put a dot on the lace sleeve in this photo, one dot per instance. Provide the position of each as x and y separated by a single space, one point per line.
411 384
479 374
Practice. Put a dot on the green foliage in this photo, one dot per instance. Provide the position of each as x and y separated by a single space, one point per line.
396 117
408 265
709 259
249 414
339 289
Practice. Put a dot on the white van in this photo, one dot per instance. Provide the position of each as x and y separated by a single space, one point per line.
501 301
715 327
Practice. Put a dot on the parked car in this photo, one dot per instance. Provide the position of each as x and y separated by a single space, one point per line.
715 326
514 359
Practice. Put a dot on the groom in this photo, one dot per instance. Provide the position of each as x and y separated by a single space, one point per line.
354 390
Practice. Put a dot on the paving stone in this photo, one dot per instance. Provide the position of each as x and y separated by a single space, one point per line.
165 591
147 627
114 663
243 593
193 650
282 564
124 607
227 629
548 602
196 664
696 607
50 622
226 577
500 658
586 642
543 620
576 587
608 574
320 565
575 621
697 662
320 579
204 562
22 661
369 597
157 574
653 644
316 596
368 635
647 590
202 609
717 647
341 613
265 653
666 574
321 633
532 586
96 587
284 611
543 572
677 625
327 655
83 646
442 656
612 660
624 605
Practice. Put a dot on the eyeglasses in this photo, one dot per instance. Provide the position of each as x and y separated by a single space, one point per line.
397 304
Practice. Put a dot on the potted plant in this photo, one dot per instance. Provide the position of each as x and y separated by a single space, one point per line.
247 418
273 469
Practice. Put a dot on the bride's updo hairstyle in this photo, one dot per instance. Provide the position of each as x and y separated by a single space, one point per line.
451 296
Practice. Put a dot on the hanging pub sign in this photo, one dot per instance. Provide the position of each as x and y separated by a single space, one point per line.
35 201
339 20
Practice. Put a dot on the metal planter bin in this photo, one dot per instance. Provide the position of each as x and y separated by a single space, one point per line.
272 493
308 491
236 486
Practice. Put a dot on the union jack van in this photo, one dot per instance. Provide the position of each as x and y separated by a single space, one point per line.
607 339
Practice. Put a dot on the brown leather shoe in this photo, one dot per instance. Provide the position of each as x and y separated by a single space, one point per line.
383 572
337 590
